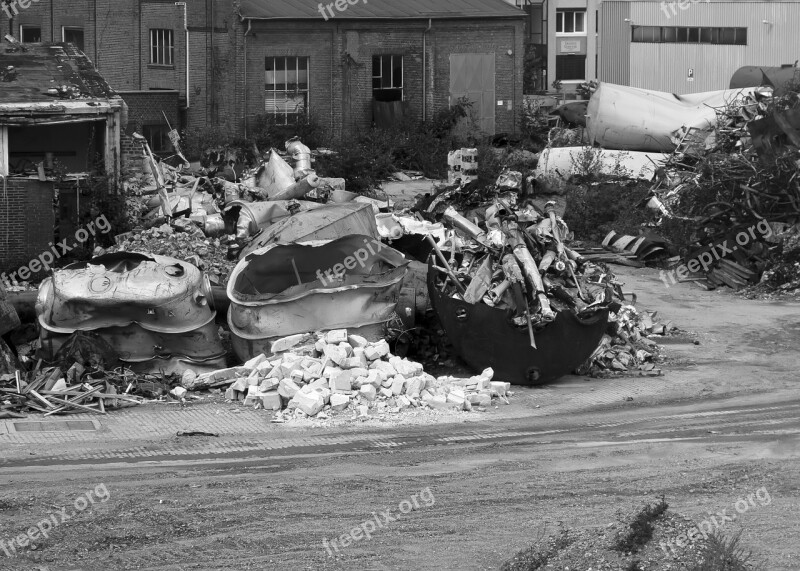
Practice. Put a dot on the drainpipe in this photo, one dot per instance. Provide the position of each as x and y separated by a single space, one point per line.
186 28
249 27
425 70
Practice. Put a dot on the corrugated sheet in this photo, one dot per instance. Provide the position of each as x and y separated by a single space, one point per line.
664 67
380 9
614 39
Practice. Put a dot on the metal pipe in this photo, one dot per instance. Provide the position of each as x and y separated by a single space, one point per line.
186 29
425 69
244 111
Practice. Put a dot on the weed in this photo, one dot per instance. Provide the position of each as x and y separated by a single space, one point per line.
640 530
537 555
723 554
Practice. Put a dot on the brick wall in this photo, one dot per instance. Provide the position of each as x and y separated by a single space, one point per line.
26 222
341 85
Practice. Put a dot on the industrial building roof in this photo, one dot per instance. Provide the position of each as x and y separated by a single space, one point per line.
48 73
379 9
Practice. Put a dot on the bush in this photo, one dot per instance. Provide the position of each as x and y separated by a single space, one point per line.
640 530
266 133
596 209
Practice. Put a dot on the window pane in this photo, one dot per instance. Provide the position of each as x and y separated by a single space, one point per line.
705 35
291 74
280 73
694 35
741 36
559 22
636 34
682 35
571 67
580 23
397 73
386 78
569 22
29 34
669 34
727 36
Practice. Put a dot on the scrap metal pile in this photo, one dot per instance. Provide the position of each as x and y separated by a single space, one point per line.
314 375
514 260
734 189
724 167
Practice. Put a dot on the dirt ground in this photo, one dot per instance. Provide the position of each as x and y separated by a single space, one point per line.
721 425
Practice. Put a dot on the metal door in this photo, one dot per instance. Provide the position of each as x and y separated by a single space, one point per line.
472 76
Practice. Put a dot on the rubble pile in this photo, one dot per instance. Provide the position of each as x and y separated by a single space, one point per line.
627 347
184 241
317 374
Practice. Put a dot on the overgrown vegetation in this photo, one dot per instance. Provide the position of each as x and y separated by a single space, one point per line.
725 554
595 209
640 530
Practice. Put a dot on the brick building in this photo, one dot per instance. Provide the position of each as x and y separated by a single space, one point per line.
419 54
350 63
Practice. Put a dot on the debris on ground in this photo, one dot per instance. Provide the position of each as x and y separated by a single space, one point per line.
334 371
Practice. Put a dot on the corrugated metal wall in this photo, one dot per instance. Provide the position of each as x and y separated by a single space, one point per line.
615 47
664 67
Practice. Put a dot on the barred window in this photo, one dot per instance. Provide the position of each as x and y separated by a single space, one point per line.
286 88
162 47
689 35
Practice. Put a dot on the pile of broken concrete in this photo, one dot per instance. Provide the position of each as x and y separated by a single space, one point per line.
333 371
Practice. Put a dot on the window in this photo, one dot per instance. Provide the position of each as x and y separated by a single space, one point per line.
571 67
387 78
158 138
570 21
286 86
30 34
162 47
72 36
696 35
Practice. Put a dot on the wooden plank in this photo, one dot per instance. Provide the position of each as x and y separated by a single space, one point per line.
73 404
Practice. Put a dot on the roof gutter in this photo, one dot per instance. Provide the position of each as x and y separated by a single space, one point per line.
425 70
249 28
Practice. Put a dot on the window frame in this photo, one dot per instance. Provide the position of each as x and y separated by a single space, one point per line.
561 20
381 76
699 35
305 92
23 27
572 57
64 30
158 50
166 148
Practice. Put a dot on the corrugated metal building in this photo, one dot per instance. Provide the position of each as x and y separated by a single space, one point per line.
693 45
